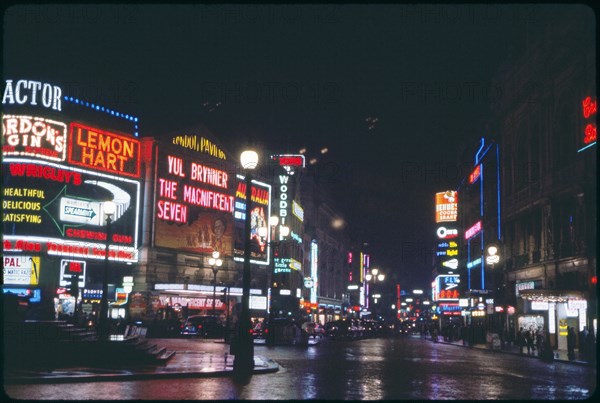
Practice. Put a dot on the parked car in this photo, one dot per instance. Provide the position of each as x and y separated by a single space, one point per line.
207 326
339 329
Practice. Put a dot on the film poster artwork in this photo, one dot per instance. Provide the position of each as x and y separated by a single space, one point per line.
258 243
210 231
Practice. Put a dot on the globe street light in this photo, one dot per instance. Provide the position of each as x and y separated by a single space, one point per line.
108 210
375 276
243 364
215 263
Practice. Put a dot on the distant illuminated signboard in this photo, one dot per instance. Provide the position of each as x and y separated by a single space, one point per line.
589 110
289 160
446 287
446 233
446 206
475 174
472 231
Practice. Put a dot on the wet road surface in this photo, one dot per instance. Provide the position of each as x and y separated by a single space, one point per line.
370 369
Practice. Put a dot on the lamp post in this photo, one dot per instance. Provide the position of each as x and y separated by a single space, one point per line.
374 276
108 209
283 232
215 263
243 364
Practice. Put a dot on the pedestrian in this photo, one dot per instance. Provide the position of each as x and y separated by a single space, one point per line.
539 341
520 340
529 336
582 343
590 346
571 343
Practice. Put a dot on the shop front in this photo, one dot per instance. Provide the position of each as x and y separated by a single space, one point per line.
553 312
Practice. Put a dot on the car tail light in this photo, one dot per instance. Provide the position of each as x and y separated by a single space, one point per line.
199 327
181 327
251 331
266 330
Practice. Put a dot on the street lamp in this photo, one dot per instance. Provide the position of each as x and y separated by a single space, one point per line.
215 263
375 276
108 209
283 232
243 364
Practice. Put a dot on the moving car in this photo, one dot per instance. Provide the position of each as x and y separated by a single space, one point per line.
207 326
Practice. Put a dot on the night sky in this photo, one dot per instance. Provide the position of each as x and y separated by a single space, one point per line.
288 77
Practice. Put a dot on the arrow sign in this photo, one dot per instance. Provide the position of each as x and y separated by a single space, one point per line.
76 210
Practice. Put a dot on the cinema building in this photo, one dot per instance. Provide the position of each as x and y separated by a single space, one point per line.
194 206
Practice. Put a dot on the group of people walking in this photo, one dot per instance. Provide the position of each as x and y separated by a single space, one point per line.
534 339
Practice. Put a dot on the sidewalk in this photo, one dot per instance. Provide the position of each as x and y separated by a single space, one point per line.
184 364
559 355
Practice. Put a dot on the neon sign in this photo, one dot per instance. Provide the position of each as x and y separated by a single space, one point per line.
473 230
200 144
446 233
297 210
446 287
102 150
42 213
289 160
174 209
475 174
314 261
283 196
28 91
589 109
34 137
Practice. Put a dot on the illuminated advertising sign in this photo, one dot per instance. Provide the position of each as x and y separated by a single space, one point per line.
34 295
474 230
287 161
69 268
199 144
297 210
28 92
446 287
61 207
475 174
259 218
281 265
21 270
446 206
446 233
589 110
474 263
314 262
191 302
194 201
28 136
104 151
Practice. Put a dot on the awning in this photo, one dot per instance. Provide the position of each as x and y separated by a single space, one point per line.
550 295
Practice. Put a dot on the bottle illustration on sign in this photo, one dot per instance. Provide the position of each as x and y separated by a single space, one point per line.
80 210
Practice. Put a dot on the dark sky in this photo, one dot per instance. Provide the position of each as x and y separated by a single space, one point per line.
295 76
